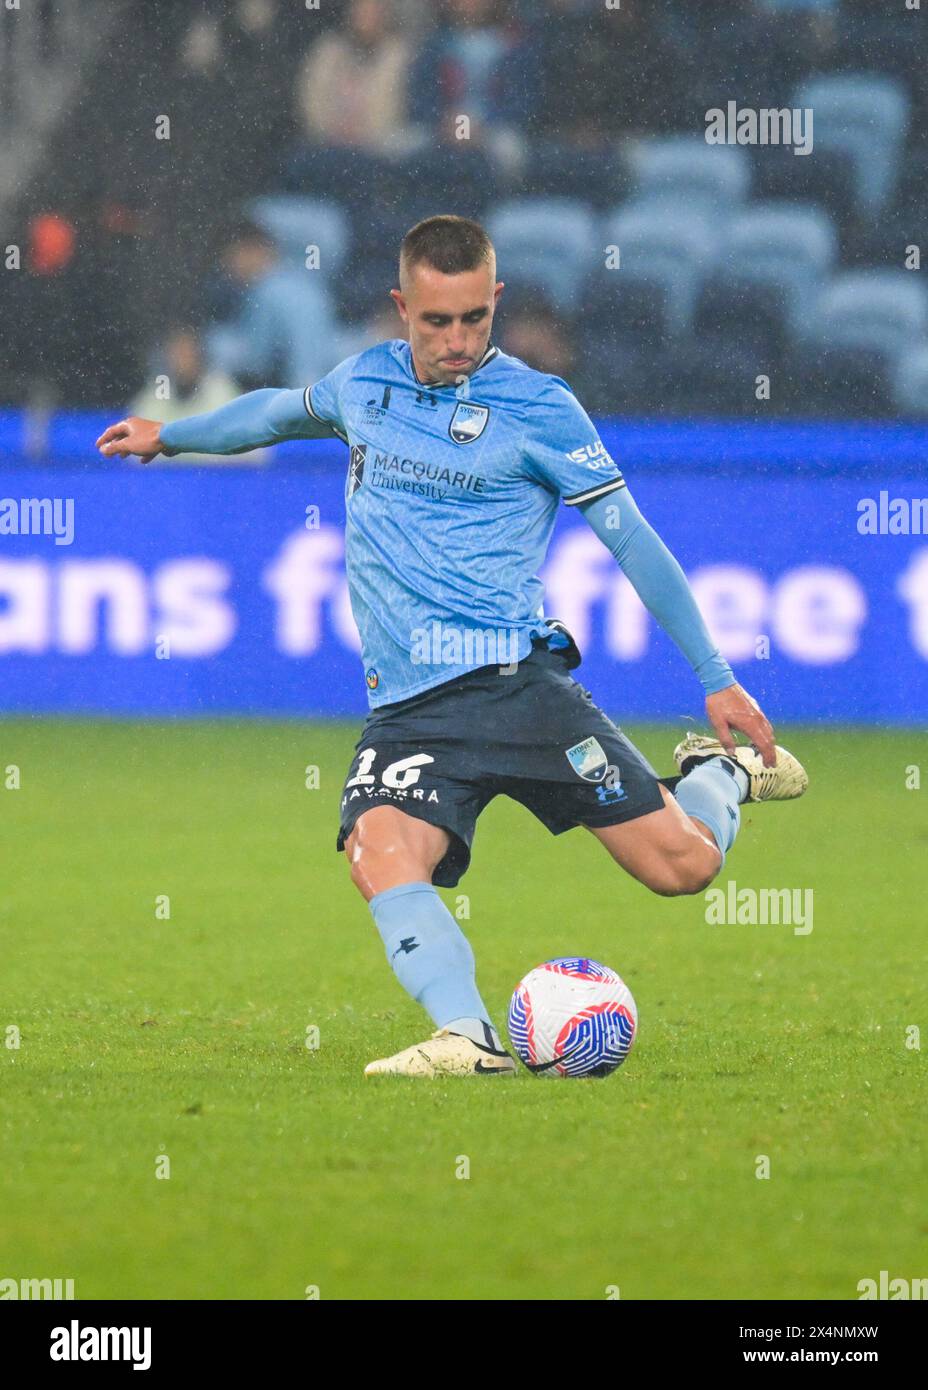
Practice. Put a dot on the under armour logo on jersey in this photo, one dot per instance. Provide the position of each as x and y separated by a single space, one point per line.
407 946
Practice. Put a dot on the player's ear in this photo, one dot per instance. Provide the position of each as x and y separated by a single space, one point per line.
500 286
399 300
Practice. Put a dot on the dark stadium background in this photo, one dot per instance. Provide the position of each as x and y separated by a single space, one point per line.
202 200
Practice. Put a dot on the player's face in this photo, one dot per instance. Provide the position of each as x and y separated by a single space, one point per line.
450 319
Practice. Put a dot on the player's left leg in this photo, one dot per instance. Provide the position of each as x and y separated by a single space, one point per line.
393 857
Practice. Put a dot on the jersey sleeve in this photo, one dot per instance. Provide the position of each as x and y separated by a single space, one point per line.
323 400
562 449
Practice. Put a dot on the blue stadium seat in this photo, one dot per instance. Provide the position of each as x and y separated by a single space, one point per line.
881 311
784 247
865 116
690 173
667 245
548 242
859 328
910 381
296 223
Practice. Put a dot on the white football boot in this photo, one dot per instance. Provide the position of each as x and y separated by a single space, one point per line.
445 1054
784 781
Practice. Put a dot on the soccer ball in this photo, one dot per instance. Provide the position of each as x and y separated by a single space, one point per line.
572 1017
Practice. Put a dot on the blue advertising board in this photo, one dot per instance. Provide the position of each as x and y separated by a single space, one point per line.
218 590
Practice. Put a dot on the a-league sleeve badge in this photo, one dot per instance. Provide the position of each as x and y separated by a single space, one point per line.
356 467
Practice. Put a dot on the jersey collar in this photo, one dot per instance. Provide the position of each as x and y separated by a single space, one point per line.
488 356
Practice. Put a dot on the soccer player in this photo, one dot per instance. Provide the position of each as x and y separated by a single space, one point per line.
459 456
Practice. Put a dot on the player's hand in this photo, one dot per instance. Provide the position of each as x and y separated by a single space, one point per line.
132 436
734 709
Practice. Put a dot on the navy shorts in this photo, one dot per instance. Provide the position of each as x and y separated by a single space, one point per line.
534 735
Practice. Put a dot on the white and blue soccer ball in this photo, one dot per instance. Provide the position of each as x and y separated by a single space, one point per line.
572 1017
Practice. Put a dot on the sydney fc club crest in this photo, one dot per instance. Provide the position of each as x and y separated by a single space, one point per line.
468 422
356 467
588 760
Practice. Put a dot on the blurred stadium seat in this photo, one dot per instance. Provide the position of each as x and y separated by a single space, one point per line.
910 380
667 244
774 258
547 242
685 170
862 323
865 116
880 310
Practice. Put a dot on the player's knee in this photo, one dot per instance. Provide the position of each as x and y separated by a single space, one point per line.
365 856
386 848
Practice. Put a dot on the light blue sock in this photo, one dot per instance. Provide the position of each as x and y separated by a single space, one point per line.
430 955
712 793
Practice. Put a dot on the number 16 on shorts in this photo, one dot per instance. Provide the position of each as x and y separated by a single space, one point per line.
400 776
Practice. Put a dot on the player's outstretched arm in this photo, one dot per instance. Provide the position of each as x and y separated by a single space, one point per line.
251 421
662 587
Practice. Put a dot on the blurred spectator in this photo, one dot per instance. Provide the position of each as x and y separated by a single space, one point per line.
189 386
189 389
477 64
351 89
535 333
60 332
283 332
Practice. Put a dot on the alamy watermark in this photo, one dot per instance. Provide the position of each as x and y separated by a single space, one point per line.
734 906
748 125
38 516
446 644
897 516
887 1288
56 1290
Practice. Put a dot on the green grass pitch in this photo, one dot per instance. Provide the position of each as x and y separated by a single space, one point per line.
140 1037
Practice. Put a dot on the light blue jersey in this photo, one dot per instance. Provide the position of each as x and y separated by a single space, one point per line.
451 497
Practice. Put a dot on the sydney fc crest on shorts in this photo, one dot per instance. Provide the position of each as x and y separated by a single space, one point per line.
588 760
468 422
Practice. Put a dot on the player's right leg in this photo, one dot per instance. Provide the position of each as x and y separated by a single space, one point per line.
668 851
680 848
393 857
